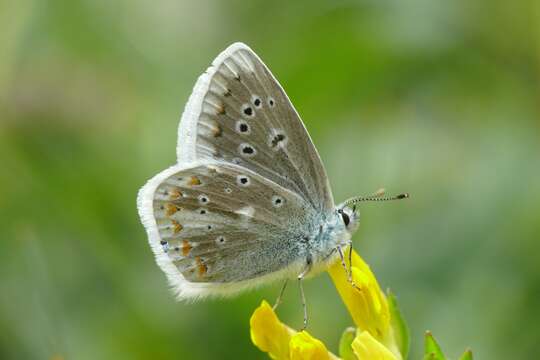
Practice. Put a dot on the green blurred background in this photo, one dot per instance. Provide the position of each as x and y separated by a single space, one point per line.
440 99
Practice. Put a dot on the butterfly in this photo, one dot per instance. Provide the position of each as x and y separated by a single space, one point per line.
249 200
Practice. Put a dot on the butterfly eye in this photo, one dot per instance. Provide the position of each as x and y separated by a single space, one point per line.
346 218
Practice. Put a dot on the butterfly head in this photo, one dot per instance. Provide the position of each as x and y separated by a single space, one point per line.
349 217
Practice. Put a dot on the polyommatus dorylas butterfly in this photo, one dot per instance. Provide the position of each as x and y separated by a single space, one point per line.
249 200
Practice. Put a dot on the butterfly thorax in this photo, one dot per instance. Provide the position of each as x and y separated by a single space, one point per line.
330 233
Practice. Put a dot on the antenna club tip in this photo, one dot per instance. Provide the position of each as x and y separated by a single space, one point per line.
403 196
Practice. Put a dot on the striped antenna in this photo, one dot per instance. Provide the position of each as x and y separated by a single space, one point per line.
375 197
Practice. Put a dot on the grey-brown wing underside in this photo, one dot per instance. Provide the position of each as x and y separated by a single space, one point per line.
239 113
221 223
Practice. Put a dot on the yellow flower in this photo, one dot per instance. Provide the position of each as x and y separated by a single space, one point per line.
268 333
366 302
366 347
305 347
379 332
282 342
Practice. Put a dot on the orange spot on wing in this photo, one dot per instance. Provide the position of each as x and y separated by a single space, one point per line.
176 194
193 180
171 209
217 131
201 267
186 247
220 110
177 227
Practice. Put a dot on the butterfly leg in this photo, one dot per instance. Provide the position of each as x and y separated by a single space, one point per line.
350 260
278 300
348 270
302 295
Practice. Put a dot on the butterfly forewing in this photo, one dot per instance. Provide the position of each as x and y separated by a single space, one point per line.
223 223
239 113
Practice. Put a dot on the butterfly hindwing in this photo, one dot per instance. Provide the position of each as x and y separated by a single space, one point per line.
239 113
217 223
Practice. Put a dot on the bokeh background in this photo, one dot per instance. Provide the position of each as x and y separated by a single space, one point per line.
440 99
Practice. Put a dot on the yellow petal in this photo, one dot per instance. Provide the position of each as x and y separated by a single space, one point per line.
268 333
366 347
305 347
366 303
